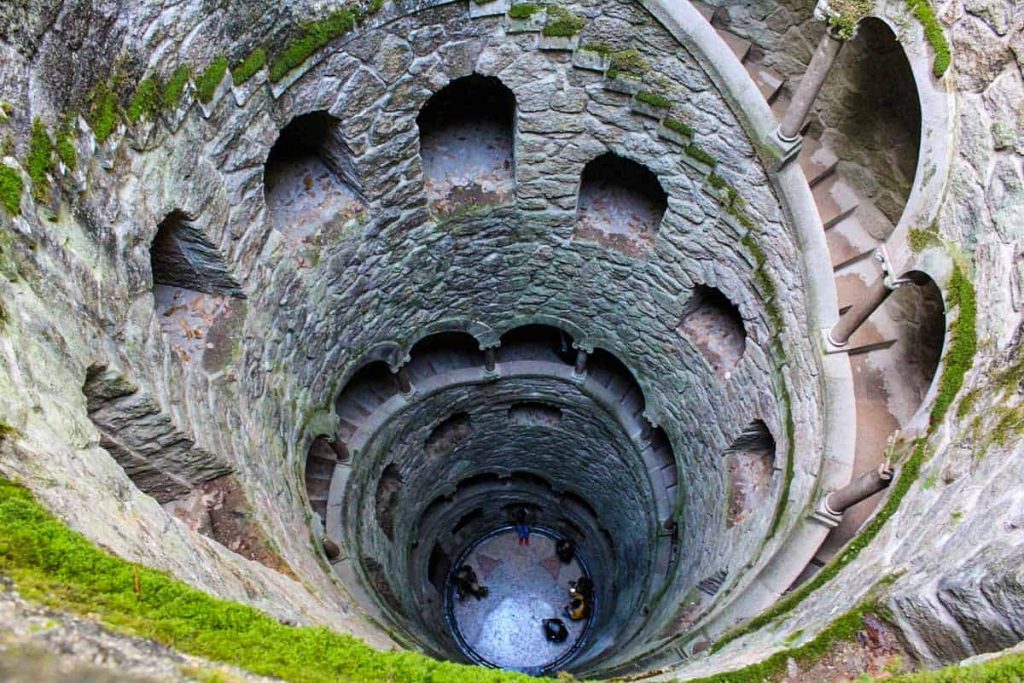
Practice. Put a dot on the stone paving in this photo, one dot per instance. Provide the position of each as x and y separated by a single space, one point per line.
527 584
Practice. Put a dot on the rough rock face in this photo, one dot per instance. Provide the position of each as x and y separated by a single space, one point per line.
176 197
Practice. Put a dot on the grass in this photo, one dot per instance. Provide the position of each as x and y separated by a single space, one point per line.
146 102
561 23
678 126
523 11
40 159
55 566
653 99
103 112
963 343
175 88
249 66
210 78
844 15
11 187
933 33
700 154
1008 669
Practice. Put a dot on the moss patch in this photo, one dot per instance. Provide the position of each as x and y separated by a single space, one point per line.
963 343
694 151
562 23
146 102
65 145
11 187
40 159
653 99
844 15
210 78
249 66
1000 670
175 88
523 11
933 33
678 126
313 37
920 239
60 568
103 112
628 62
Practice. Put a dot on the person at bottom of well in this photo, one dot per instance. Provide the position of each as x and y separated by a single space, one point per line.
555 630
521 519
577 608
466 583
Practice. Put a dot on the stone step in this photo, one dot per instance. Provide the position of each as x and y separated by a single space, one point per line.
848 241
739 46
780 104
768 80
835 200
855 347
816 160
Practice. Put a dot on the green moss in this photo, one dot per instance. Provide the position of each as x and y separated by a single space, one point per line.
920 240
146 102
653 99
523 11
40 159
561 23
843 629
908 474
696 152
730 197
103 112
484 2
1011 423
967 402
315 36
844 15
963 343
629 62
249 66
1012 377
51 564
933 33
1006 669
65 145
11 187
597 47
678 126
207 82
175 87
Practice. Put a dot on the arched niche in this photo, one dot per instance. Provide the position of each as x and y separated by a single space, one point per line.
389 486
195 294
322 457
536 342
918 310
443 353
368 389
467 142
713 324
750 463
621 204
310 183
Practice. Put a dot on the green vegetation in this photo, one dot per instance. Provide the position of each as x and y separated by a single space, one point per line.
730 197
562 23
627 63
483 2
103 112
921 239
210 78
1008 669
146 102
55 566
40 159
524 11
677 126
653 99
11 187
313 37
603 49
843 629
1011 422
695 152
249 66
933 33
963 343
175 87
844 15
65 145
908 474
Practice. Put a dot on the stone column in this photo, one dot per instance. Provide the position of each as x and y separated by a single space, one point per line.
861 488
810 85
402 377
581 362
851 321
490 360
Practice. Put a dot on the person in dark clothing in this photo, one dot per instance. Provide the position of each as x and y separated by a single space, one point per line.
466 583
584 586
565 550
555 630
521 519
